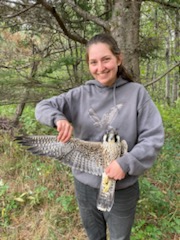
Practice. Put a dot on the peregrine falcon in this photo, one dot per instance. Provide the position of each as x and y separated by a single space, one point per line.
89 157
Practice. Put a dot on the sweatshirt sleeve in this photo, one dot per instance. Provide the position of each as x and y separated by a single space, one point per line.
149 142
49 111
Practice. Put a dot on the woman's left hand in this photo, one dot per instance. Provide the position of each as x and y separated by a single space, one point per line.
115 171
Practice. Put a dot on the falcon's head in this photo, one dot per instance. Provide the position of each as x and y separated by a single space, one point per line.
111 136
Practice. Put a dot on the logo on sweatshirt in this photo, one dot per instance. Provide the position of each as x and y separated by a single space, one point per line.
106 119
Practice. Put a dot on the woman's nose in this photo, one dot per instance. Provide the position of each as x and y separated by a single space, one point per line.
100 67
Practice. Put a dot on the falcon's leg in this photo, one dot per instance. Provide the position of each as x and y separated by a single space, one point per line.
106 193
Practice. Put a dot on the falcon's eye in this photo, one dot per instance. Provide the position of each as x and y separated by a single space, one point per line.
117 138
105 138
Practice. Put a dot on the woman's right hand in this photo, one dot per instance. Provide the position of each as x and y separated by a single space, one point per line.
65 130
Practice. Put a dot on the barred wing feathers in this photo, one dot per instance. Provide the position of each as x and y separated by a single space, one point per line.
81 155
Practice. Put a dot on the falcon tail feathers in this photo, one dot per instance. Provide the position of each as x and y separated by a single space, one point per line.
105 199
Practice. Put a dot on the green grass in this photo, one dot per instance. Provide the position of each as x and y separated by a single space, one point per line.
37 199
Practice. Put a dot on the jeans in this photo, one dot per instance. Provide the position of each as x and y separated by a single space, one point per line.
119 220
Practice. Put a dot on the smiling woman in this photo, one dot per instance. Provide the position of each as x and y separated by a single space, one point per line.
112 99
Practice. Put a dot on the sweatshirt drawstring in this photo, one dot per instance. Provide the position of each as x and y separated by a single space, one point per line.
114 96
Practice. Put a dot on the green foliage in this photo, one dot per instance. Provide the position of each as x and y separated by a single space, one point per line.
3 188
157 213
67 202
7 111
7 205
171 118
30 124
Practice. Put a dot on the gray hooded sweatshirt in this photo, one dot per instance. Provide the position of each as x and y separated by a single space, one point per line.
125 106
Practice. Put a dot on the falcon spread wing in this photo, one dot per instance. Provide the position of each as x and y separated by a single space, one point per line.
90 157
81 155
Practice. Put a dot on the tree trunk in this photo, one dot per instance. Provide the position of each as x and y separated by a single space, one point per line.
125 29
25 94
168 100
20 108
177 46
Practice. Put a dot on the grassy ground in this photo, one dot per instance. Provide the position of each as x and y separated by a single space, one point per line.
37 195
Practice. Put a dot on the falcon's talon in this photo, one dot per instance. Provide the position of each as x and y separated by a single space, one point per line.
105 179
106 187
106 183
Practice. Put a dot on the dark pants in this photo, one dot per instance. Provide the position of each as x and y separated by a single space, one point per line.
119 220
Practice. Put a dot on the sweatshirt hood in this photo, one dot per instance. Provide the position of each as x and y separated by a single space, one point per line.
118 83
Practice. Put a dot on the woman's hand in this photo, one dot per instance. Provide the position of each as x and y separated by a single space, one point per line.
65 130
115 171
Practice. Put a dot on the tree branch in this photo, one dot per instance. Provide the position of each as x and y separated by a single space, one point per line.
23 11
157 79
15 68
164 3
88 16
53 12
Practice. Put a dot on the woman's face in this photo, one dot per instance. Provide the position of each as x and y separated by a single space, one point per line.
103 64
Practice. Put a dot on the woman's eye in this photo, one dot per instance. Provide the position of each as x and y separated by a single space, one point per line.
106 59
92 63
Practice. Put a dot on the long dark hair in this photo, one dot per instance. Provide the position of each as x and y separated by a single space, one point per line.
110 41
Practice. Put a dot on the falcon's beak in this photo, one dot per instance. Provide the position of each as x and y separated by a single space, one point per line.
111 137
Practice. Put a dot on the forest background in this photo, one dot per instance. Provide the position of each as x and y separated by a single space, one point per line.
41 55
